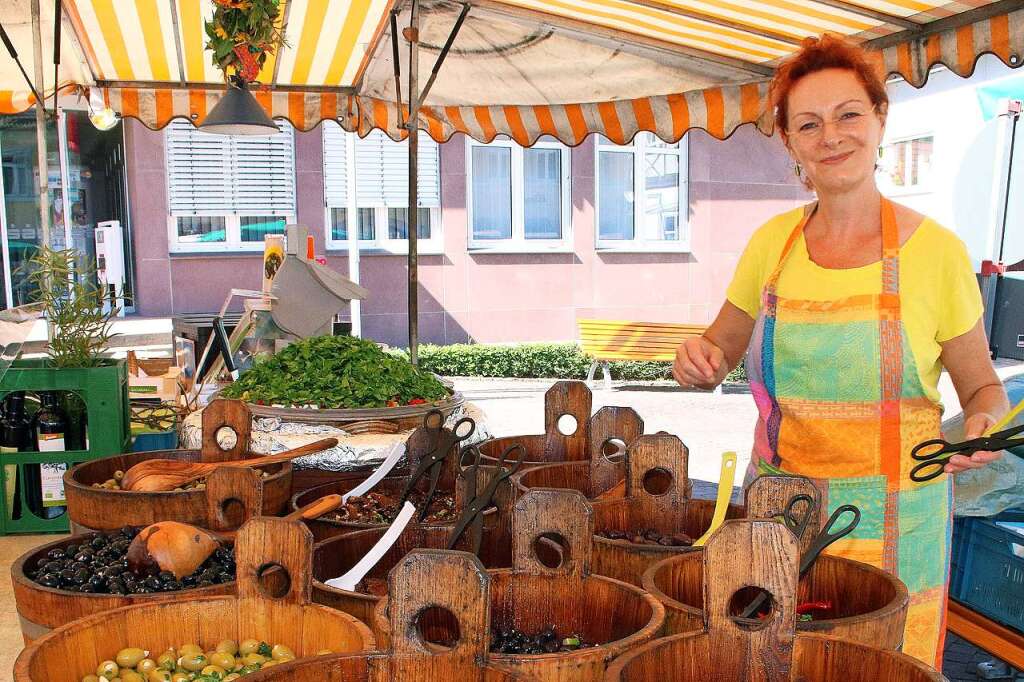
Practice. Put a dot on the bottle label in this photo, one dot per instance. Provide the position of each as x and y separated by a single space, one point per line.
51 442
5 449
52 475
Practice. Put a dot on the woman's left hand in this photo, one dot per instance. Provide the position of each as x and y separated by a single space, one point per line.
974 427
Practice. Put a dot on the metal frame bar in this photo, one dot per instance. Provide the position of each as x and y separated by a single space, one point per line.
397 66
177 41
716 21
946 24
202 85
280 46
514 12
412 214
869 13
441 57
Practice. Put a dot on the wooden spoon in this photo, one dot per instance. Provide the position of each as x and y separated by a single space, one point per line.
156 475
181 548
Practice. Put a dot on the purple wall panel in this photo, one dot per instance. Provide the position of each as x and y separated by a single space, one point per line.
734 187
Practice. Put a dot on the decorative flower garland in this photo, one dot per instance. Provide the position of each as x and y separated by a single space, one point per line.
242 33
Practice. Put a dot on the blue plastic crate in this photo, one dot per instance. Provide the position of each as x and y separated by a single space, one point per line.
988 567
155 440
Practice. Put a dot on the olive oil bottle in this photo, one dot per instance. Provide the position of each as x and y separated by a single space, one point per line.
15 436
50 427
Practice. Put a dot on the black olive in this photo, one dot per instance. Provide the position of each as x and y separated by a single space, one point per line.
71 550
165 575
56 554
172 586
153 582
87 588
205 583
98 542
53 566
49 580
81 577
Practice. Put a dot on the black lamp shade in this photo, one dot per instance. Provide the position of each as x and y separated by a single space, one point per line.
238 113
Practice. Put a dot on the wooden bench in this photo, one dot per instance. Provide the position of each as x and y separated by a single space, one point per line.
606 340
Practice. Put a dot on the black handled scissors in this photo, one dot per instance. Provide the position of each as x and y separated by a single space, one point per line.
799 524
442 443
825 537
934 454
472 517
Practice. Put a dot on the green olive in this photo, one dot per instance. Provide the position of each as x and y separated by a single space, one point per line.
211 669
131 676
107 669
159 676
90 678
223 660
248 646
147 664
167 660
269 664
253 659
324 652
231 677
282 653
180 677
227 646
190 649
193 662
130 657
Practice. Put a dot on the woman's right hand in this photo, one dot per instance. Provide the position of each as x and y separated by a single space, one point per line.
699 363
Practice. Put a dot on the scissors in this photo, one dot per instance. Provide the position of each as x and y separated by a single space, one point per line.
472 517
442 443
799 524
829 533
935 453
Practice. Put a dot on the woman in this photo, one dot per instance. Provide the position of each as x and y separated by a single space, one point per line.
851 307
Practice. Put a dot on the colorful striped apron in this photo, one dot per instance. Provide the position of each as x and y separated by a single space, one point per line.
840 401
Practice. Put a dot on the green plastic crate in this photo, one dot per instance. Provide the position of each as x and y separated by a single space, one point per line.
104 390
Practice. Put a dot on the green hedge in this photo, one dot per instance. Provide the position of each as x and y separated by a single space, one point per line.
537 360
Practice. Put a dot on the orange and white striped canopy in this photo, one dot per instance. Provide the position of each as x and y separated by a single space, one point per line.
523 68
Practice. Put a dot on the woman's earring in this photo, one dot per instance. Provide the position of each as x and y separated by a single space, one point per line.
798 170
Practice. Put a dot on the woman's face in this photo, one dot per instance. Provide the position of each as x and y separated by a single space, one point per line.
833 130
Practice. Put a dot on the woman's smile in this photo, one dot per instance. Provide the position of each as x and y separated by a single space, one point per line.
836 159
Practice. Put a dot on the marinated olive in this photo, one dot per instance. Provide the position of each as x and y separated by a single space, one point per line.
130 657
222 659
160 675
282 653
227 646
146 665
193 662
131 676
248 646
107 669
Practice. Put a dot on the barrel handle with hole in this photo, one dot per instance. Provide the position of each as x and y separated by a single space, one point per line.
647 454
233 414
263 544
554 511
232 483
455 581
752 553
571 398
767 496
609 424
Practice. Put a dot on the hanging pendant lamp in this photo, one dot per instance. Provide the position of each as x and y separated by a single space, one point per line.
238 113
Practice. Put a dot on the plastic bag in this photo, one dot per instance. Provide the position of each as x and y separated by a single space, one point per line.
1000 485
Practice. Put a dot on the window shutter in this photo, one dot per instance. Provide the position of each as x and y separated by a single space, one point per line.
217 174
382 172
335 166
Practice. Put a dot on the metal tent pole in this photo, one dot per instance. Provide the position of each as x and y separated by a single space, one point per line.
412 222
44 181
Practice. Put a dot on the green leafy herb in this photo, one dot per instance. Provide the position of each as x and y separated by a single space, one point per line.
332 372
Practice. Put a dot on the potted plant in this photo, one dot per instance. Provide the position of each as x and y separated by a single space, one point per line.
242 33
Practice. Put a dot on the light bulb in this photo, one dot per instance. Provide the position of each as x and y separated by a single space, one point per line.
100 115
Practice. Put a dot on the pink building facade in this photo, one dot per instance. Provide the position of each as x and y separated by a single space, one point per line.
468 294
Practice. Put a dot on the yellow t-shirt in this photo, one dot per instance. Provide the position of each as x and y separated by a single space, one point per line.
938 290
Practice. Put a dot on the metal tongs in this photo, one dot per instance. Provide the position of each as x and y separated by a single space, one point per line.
472 517
432 463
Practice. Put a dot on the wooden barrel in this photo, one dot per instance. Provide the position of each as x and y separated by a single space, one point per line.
335 556
41 609
657 498
579 437
74 650
868 604
531 596
93 509
581 476
424 583
763 555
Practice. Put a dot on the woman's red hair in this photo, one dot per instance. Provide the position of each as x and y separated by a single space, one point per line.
817 54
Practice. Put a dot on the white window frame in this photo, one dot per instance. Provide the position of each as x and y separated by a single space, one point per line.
382 242
232 221
892 190
518 243
639 243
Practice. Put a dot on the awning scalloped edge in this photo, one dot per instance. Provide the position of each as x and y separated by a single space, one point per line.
718 110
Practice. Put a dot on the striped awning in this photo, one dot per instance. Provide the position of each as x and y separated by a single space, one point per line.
522 68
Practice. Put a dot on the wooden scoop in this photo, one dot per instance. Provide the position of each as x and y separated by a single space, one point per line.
156 475
181 548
